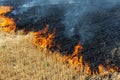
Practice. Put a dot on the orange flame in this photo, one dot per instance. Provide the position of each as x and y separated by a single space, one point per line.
75 61
5 9
7 24
87 69
44 39
103 71
114 69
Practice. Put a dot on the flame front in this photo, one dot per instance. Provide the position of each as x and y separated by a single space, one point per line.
77 62
7 24
44 39
74 59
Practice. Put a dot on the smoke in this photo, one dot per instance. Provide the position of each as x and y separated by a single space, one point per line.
75 18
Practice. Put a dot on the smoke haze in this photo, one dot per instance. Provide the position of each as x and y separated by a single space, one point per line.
75 18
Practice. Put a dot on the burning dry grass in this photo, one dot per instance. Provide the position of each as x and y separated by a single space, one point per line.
44 40
6 23
19 59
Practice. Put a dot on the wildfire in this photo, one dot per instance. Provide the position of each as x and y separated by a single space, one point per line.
6 23
77 62
74 59
44 39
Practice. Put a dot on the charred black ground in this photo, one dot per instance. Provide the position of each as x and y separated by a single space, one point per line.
102 48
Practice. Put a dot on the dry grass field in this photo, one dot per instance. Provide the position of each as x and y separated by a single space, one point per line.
21 60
